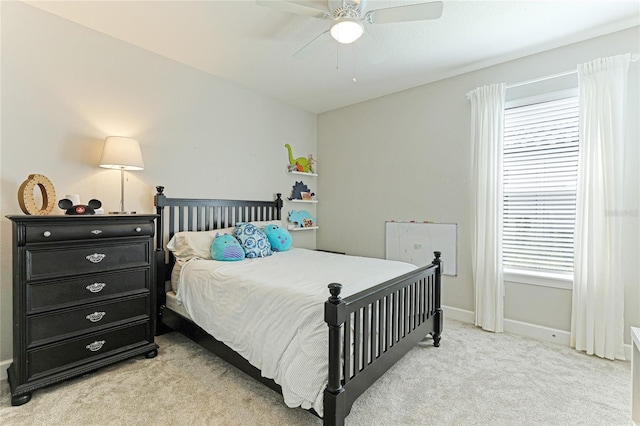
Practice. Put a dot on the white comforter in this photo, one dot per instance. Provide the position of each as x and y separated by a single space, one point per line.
270 310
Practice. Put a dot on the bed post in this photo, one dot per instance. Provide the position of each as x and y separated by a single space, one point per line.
160 200
439 319
279 204
334 396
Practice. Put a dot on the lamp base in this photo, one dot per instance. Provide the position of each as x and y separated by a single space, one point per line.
122 212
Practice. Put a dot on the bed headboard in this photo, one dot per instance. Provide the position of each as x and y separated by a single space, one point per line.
191 214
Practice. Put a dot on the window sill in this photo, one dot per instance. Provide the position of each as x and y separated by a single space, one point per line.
544 279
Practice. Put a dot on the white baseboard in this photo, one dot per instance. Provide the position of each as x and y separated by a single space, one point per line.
538 332
458 314
3 368
525 329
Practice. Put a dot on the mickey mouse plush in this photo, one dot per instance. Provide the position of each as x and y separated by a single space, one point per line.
66 204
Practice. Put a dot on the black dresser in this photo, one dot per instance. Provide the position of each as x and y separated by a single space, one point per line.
83 296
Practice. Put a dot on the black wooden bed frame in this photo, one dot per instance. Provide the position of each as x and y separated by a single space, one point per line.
388 319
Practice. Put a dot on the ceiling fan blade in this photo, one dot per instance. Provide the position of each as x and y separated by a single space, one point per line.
412 12
370 49
311 47
291 7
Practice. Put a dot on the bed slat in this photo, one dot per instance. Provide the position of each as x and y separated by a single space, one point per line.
347 349
356 343
366 334
381 327
373 343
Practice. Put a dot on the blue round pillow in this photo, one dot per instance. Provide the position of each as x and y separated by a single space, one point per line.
253 240
279 238
225 247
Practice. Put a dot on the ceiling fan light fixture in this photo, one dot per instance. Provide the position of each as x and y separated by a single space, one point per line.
346 31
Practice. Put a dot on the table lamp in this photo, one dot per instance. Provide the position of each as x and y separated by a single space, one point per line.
124 154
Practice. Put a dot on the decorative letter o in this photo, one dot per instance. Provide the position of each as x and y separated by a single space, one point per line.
27 200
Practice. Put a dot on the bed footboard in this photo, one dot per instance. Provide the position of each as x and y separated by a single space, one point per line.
371 330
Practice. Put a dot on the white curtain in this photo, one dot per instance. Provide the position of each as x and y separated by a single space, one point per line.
597 323
487 128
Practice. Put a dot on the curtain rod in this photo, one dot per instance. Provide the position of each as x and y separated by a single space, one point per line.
634 58
536 80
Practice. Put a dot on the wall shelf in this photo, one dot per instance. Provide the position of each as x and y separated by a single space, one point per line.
302 173
291 226
307 228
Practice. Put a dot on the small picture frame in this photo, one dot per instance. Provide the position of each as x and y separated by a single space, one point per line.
306 196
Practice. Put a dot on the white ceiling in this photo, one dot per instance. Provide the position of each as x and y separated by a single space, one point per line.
252 45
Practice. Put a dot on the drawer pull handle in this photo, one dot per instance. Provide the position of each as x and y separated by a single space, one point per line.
96 232
96 316
96 346
96 287
138 229
47 233
96 257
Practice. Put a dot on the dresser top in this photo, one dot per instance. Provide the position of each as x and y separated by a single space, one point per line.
61 218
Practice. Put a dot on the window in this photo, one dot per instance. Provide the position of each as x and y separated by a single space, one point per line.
540 165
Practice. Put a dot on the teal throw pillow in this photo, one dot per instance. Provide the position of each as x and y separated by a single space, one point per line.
225 247
253 240
279 237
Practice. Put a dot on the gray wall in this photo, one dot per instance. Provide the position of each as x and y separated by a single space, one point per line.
407 156
65 87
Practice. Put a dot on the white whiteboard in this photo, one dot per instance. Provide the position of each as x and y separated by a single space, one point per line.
415 242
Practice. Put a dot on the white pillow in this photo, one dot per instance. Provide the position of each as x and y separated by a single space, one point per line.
175 275
264 223
187 245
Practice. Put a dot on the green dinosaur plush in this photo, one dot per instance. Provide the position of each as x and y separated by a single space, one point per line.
301 164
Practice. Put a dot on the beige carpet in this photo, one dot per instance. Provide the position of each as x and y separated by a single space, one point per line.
474 378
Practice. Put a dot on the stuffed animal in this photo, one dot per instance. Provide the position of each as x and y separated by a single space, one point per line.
302 217
253 240
66 204
298 189
226 247
312 161
279 238
301 164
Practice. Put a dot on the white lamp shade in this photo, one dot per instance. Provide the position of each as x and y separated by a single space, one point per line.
121 153
346 31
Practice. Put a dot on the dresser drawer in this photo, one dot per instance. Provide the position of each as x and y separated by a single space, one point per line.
72 291
86 231
59 262
63 324
82 350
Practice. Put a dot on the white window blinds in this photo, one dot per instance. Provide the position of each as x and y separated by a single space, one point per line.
540 173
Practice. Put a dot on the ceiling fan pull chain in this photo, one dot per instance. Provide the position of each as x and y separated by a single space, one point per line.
355 62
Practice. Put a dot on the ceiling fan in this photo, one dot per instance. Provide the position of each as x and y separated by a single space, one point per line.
349 18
